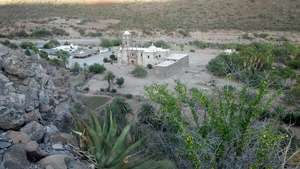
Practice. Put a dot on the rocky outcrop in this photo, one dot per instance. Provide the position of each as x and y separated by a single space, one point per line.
34 110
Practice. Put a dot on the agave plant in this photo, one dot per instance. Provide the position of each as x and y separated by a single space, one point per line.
111 149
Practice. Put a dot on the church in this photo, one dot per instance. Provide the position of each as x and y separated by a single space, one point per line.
130 54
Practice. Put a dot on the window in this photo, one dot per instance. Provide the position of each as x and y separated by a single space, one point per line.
148 57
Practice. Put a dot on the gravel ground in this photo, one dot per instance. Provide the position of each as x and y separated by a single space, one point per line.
196 75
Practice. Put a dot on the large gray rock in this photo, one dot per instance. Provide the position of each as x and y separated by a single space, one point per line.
55 161
25 87
35 130
15 158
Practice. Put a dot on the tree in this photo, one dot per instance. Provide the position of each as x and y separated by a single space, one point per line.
76 68
64 56
97 68
85 71
139 72
120 81
110 78
113 57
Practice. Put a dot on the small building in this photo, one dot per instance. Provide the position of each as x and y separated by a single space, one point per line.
173 64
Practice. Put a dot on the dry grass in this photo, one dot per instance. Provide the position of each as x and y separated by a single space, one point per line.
171 15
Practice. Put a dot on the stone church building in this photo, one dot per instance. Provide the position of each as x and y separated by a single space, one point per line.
129 54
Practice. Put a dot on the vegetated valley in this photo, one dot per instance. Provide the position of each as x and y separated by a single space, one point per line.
218 85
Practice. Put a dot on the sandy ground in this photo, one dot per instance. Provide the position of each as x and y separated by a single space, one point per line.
196 75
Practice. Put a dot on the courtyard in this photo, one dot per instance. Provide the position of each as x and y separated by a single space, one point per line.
196 75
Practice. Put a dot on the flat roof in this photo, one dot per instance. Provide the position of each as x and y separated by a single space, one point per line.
166 63
176 56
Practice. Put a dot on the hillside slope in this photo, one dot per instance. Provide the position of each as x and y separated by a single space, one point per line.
185 14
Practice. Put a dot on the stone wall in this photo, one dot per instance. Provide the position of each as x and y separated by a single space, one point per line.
167 71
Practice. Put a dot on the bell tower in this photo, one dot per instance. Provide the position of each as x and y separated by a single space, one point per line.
126 39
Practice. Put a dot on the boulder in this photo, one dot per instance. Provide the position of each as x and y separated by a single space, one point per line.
35 130
4 142
10 118
15 158
61 138
55 161
33 151
18 137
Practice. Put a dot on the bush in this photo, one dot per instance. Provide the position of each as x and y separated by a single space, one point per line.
294 64
56 62
38 33
94 34
107 43
51 44
113 91
120 108
149 66
27 45
120 81
218 130
97 68
43 54
9 44
22 34
106 60
28 52
59 32
129 96
139 72
76 68
291 118
162 44
113 57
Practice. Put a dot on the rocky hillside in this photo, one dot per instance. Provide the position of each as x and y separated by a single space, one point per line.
33 115
174 14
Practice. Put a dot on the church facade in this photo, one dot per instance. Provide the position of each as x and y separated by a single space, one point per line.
129 54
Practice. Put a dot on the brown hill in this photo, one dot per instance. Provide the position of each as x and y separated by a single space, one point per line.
185 14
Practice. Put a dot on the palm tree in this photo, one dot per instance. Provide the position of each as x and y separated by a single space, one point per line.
110 78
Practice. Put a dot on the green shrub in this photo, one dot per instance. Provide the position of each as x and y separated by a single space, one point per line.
106 60
76 68
51 44
27 45
59 32
294 64
149 66
56 62
43 54
21 33
38 33
120 81
162 44
97 68
112 149
107 43
121 109
9 44
210 127
139 72
28 52
94 34
291 118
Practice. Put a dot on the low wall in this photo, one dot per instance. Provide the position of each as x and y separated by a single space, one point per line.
167 71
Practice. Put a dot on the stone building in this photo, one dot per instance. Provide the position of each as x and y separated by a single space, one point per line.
128 54
173 64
